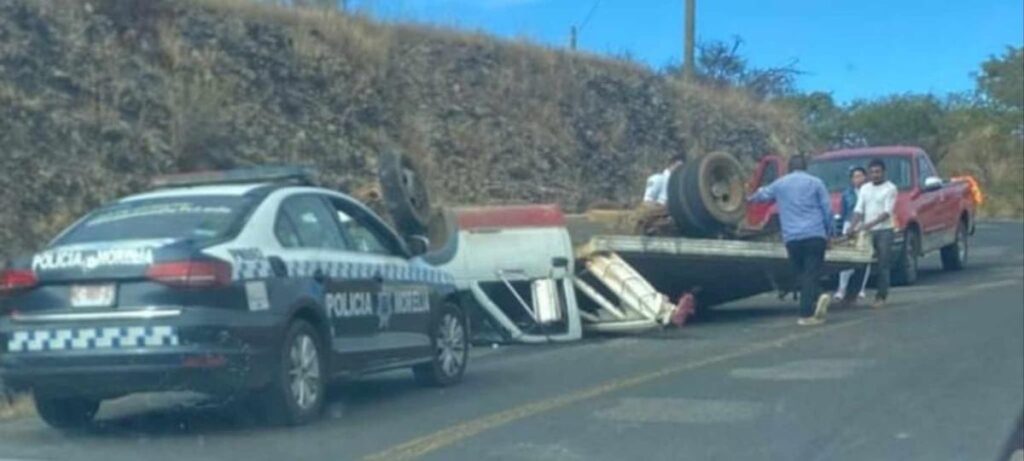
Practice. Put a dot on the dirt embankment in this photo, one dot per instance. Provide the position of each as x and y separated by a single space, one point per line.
97 96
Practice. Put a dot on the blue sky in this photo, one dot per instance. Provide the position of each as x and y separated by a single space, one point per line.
853 49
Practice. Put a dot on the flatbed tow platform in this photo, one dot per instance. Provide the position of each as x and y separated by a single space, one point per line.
632 282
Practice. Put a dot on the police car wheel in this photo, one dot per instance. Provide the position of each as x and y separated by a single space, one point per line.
66 412
296 395
449 338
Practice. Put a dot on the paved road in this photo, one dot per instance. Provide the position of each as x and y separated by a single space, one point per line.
939 374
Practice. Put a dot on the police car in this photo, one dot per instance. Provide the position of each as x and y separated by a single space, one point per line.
247 282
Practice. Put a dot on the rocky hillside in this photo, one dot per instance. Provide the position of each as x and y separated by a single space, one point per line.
97 96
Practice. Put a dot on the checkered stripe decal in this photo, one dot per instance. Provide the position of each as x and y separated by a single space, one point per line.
260 269
91 338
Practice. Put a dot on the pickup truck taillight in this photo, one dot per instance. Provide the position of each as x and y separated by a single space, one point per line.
191 274
16 279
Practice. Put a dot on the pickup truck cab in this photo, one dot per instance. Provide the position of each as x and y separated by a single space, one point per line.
931 214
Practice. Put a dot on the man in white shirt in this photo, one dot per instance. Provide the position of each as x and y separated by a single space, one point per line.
652 217
876 202
657 183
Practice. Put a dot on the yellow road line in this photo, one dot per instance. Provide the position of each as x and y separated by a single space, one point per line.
421 446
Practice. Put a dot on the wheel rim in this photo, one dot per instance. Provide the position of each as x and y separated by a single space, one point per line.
451 345
304 372
725 189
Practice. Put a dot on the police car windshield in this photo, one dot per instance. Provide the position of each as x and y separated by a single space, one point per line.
194 218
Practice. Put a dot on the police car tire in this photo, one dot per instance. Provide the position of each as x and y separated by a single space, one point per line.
435 373
66 412
279 404
405 193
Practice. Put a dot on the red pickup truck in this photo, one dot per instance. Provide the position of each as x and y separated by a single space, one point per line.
931 214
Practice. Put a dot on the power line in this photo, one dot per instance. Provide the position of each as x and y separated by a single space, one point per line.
590 14
574 30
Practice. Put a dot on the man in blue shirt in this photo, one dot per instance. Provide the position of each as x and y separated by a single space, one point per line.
805 214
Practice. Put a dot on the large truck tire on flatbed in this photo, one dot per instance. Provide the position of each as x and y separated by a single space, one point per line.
706 196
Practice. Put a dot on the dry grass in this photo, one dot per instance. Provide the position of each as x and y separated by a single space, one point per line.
315 31
240 82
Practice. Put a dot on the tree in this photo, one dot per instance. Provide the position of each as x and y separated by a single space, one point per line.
1001 79
720 64
904 119
825 119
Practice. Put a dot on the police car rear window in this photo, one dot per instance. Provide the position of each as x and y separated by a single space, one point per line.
195 218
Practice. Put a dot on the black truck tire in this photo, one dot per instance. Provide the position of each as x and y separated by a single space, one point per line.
706 196
904 269
405 193
954 255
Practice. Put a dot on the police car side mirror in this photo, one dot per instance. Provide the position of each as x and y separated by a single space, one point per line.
417 244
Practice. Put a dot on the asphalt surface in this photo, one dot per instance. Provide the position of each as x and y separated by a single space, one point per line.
938 374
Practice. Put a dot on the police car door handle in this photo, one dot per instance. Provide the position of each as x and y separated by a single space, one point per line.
378 278
277 265
318 276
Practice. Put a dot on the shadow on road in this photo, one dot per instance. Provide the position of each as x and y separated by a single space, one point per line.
181 416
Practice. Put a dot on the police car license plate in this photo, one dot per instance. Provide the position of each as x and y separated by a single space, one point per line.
93 295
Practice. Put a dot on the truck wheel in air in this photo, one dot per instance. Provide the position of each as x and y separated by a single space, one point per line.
405 193
706 196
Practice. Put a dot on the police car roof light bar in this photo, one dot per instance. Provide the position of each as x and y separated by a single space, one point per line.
275 174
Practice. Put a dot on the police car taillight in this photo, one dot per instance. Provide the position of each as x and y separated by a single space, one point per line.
16 279
191 274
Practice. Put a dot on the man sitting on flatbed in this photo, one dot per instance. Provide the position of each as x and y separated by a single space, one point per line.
652 218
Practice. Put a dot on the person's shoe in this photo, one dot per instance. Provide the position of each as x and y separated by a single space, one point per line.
838 297
878 304
862 296
822 307
810 321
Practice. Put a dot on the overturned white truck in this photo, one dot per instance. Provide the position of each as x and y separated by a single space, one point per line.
533 274
537 275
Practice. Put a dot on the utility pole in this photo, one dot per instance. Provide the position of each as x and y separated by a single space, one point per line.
574 31
688 65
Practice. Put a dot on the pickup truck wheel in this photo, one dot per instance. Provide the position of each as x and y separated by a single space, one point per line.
954 255
449 338
296 393
905 270
67 413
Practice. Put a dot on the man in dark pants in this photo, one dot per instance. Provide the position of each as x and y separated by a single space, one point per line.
875 204
806 217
